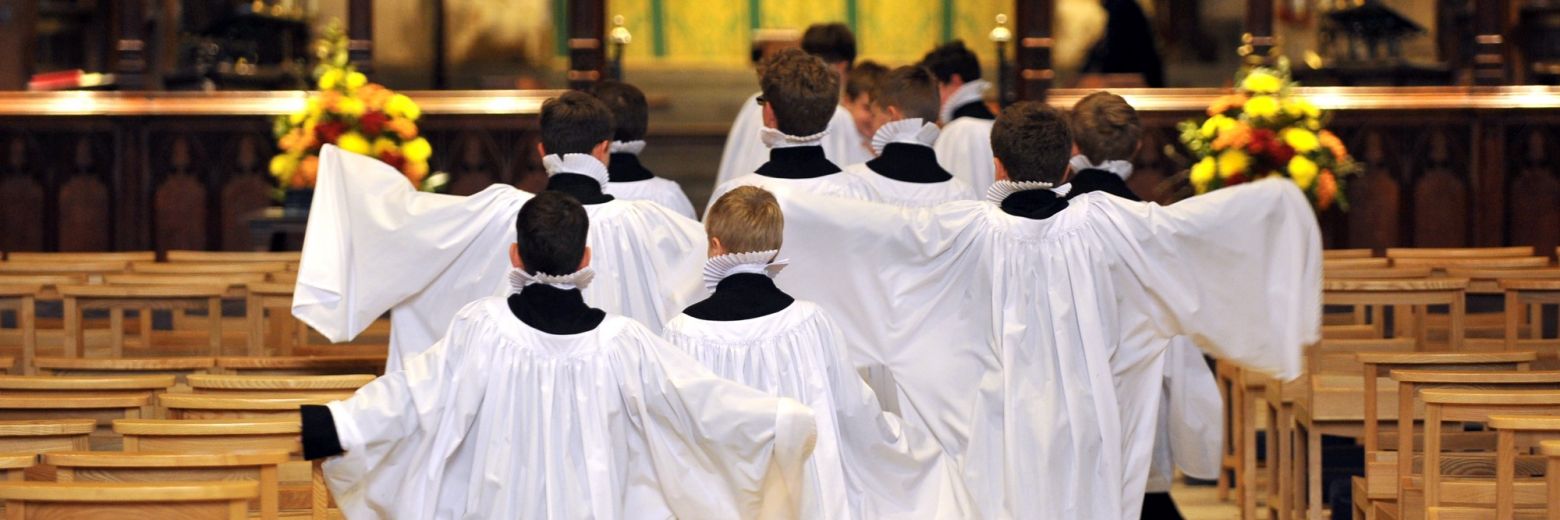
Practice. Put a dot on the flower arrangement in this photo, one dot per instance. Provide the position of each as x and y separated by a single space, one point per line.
1264 129
354 114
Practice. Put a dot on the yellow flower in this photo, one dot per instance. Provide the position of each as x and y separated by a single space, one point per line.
1233 162
354 142
330 79
401 106
296 118
417 150
312 106
355 80
351 107
283 165
382 145
1262 83
1202 174
1303 171
1308 109
1301 140
1216 125
1262 107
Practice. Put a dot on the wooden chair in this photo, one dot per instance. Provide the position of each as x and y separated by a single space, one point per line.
303 365
102 407
271 322
14 466
179 367
109 256
1508 428
1470 405
146 385
258 466
1521 293
194 268
1484 328
1459 252
1417 295
1443 264
1551 452
1340 254
220 384
88 269
22 299
232 405
50 500
41 435
1355 263
303 484
116 299
234 256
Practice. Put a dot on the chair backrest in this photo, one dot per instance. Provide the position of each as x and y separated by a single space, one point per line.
257 466
209 383
1338 254
47 280
1381 364
1459 252
210 435
1515 262
1377 273
303 365
179 367
233 256
225 280
1355 263
49 267
99 384
117 298
39 435
234 405
110 256
187 268
81 500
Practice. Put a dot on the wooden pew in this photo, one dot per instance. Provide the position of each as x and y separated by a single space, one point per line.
258 466
116 299
219 384
232 405
1470 405
303 365
49 500
303 484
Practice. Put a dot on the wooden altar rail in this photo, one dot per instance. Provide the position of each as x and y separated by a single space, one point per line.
1448 166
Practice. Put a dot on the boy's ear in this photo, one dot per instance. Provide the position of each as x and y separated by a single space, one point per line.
585 259
894 114
514 256
769 117
716 249
541 151
1001 173
602 151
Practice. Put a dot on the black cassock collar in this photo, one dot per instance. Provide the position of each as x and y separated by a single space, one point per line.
1100 180
797 162
909 163
625 167
739 297
554 310
975 109
583 187
1036 204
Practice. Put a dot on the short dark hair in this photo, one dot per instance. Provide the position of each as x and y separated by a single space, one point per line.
801 90
952 58
1033 142
911 89
550 232
1106 127
863 77
575 122
831 41
629 109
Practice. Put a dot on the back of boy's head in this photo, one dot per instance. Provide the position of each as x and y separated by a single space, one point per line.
745 220
630 112
952 58
801 90
1106 127
862 78
550 232
574 122
911 89
833 42
1033 142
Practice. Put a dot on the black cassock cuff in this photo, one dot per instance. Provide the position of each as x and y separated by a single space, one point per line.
319 432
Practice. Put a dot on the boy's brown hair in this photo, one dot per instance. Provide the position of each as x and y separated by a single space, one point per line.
1033 142
575 122
746 219
1106 128
863 78
801 90
912 89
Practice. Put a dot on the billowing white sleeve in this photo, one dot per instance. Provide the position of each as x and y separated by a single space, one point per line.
373 241
1195 409
744 152
1238 270
721 449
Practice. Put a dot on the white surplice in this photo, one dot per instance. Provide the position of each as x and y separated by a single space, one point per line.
867 464
878 188
964 149
1007 335
1191 420
500 420
374 245
659 190
745 151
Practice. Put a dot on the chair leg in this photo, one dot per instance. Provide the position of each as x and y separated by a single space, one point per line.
1313 456
1248 458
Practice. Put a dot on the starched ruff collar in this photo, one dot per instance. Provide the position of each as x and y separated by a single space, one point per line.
776 139
910 131
755 262
580 279
578 164
1080 163
628 147
969 92
1002 189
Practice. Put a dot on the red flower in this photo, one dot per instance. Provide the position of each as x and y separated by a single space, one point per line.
394 159
330 131
373 123
1238 178
1282 153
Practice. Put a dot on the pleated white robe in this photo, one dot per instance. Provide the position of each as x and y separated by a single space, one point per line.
745 151
1033 349
964 149
867 464
877 188
1191 420
500 420
376 245
665 192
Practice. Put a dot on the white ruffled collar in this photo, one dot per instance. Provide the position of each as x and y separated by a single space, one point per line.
970 91
911 131
1121 168
580 279
1002 189
628 147
755 262
576 163
776 139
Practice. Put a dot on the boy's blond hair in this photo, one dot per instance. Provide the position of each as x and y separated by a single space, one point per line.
745 220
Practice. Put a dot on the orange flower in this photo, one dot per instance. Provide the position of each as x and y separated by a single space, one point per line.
404 128
1237 136
308 168
1226 103
1326 189
1332 144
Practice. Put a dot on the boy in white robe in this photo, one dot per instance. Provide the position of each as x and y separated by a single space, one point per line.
1027 332
628 179
746 148
905 171
800 93
375 244
964 147
867 464
539 406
